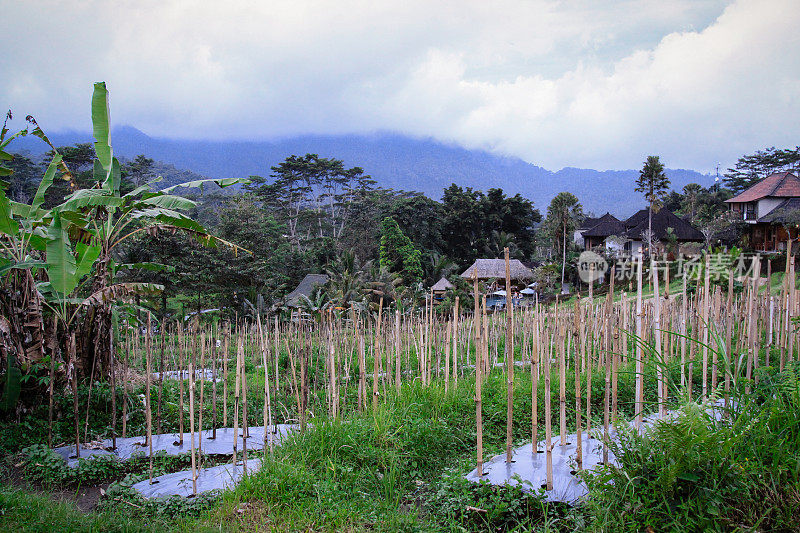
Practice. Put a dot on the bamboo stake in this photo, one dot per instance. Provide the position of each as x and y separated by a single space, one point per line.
148 357
509 360
73 359
578 405
397 350
639 403
376 356
180 383
548 430
479 401
267 400
225 355
455 343
191 430
237 384
161 375
706 284
213 385
202 389
50 393
535 358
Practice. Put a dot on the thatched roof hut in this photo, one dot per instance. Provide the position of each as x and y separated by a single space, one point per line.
442 285
496 268
305 288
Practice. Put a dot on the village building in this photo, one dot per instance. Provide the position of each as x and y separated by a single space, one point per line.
440 288
305 288
628 236
667 227
495 269
770 208
605 232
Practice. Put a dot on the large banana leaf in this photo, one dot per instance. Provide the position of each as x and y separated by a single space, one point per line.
168 216
101 130
87 255
47 180
8 225
168 201
61 265
90 197
121 291
223 182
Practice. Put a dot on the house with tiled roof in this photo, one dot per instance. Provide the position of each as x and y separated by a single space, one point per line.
771 208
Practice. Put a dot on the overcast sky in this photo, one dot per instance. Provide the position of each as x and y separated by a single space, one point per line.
598 84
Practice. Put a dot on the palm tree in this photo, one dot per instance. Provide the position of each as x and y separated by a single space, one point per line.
562 217
499 241
346 279
437 267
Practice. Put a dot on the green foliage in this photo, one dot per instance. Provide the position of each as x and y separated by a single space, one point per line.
398 254
483 507
750 169
698 472
652 181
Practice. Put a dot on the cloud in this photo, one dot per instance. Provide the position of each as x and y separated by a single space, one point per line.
557 83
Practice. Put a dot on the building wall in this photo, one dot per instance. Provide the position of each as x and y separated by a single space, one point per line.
766 205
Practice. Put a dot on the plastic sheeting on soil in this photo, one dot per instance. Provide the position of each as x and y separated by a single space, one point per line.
529 470
204 374
169 443
220 477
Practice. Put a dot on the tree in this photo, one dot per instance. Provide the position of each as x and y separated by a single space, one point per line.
312 196
691 199
654 184
563 215
398 254
139 171
750 169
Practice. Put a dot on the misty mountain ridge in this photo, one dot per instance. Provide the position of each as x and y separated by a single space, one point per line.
393 160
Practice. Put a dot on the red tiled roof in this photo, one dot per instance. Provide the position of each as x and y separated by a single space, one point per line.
782 185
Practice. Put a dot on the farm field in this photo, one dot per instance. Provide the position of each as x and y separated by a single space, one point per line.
385 406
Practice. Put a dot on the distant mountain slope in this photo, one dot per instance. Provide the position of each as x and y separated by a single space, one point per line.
394 161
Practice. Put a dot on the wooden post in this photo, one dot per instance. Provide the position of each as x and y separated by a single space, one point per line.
509 360
548 430
478 401
657 334
191 430
202 389
160 374
706 283
577 373
639 402
535 358
376 357
397 350
149 417
455 343
213 385
237 384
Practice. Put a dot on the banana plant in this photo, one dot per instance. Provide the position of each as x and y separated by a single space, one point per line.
100 220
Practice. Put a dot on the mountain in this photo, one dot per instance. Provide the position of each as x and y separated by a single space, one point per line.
395 161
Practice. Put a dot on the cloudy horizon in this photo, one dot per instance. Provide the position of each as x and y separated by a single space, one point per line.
553 83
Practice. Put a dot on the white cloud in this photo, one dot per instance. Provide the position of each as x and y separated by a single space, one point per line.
598 84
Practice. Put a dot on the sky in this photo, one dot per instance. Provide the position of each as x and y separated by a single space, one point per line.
596 84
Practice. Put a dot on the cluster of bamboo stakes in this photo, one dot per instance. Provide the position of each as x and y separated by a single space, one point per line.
591 335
